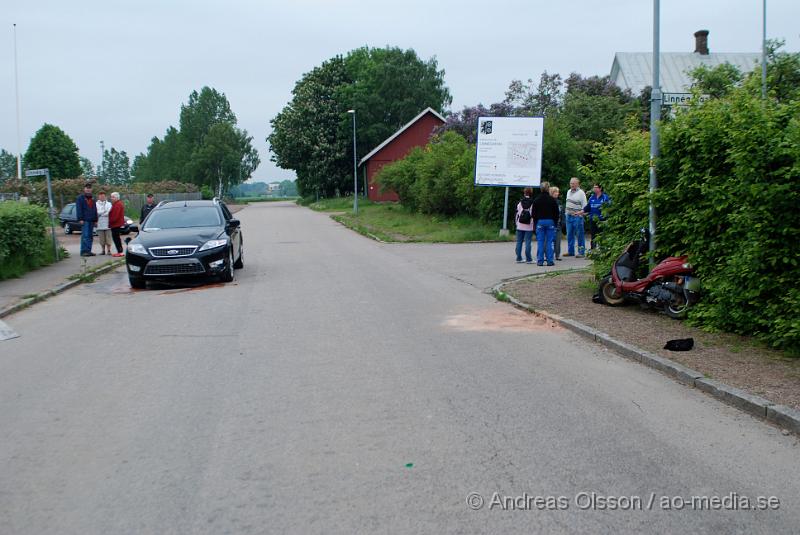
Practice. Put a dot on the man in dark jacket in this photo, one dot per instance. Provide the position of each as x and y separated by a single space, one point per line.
147 208
545 215
86 212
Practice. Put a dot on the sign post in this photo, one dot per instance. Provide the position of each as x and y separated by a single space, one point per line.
46 173
509 154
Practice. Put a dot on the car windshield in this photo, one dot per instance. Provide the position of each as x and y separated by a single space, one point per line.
183 217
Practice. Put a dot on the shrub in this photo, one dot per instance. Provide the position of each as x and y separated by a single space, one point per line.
728 198
24 243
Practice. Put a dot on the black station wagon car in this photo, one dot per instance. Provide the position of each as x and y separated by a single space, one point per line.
186 239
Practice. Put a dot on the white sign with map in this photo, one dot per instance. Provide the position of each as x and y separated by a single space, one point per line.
509 151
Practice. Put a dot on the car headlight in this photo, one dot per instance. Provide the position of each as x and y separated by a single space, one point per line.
137 248
213 244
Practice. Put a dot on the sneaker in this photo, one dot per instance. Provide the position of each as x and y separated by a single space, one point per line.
559 259
519 261
117 255
88 254
540 263
529 261
569 254
551 263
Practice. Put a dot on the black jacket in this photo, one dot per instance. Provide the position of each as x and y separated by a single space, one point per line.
146 210
545 207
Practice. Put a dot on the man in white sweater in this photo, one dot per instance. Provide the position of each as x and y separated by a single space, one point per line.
103 231
576 200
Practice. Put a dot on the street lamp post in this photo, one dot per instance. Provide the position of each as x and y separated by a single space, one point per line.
355 165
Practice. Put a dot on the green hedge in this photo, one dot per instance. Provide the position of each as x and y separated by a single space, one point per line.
728 197
24 243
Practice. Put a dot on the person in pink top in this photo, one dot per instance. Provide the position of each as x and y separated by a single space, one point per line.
524 220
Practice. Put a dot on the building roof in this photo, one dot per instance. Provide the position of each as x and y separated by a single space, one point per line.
633 70
403 129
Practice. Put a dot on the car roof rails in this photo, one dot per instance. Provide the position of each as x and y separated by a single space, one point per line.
161 202
216 200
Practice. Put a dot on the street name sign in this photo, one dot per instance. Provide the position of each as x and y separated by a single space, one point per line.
680 99
36 172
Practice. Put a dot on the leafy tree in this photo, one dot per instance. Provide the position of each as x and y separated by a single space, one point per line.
116 167
590 118
8 165
597 86
543 99
191 153
225 157
201 113
87 168
52 148
783 72
716 81
305 134
386 87
390 87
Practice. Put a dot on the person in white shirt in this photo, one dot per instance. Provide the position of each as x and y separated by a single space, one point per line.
103 231
576 200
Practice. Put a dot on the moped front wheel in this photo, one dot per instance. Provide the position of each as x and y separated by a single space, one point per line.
610 294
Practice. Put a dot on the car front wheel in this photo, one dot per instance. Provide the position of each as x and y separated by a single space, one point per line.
239 264
227 275
138 283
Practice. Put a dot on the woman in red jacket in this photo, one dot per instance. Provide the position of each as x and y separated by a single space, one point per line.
116 220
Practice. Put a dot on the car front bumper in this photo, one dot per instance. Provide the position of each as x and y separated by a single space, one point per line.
202 264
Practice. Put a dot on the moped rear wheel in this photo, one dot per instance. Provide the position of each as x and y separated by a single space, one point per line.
677 307
611 295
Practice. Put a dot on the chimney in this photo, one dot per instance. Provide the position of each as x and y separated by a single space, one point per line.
701 42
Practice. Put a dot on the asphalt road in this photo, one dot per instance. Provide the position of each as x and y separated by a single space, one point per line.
342 386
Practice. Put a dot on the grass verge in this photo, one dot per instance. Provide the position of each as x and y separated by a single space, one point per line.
393 223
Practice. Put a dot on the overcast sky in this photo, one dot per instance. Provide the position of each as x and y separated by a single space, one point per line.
119 70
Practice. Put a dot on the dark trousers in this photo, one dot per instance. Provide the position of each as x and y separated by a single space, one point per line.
117 239
594 228
86 236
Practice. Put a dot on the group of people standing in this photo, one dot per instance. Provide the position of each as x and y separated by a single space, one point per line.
106 217
544 215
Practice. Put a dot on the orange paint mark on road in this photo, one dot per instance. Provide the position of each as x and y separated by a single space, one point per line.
498 319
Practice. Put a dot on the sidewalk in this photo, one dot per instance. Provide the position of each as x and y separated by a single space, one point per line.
45 278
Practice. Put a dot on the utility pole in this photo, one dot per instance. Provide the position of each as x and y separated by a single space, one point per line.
764 54
102 160
16 88
655 117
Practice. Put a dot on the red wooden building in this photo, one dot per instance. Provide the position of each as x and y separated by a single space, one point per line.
414 134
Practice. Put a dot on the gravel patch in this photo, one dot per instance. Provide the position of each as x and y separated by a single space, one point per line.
738 361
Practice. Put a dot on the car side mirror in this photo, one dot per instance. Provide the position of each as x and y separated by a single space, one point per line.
233 223
127 240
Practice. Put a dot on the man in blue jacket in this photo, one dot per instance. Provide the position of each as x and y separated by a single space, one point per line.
594 208
86 212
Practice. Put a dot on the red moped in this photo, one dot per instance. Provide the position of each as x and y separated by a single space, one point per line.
671 286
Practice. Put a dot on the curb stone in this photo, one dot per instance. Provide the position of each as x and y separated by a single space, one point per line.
52 292
781 415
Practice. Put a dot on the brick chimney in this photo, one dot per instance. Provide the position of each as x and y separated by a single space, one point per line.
701 42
